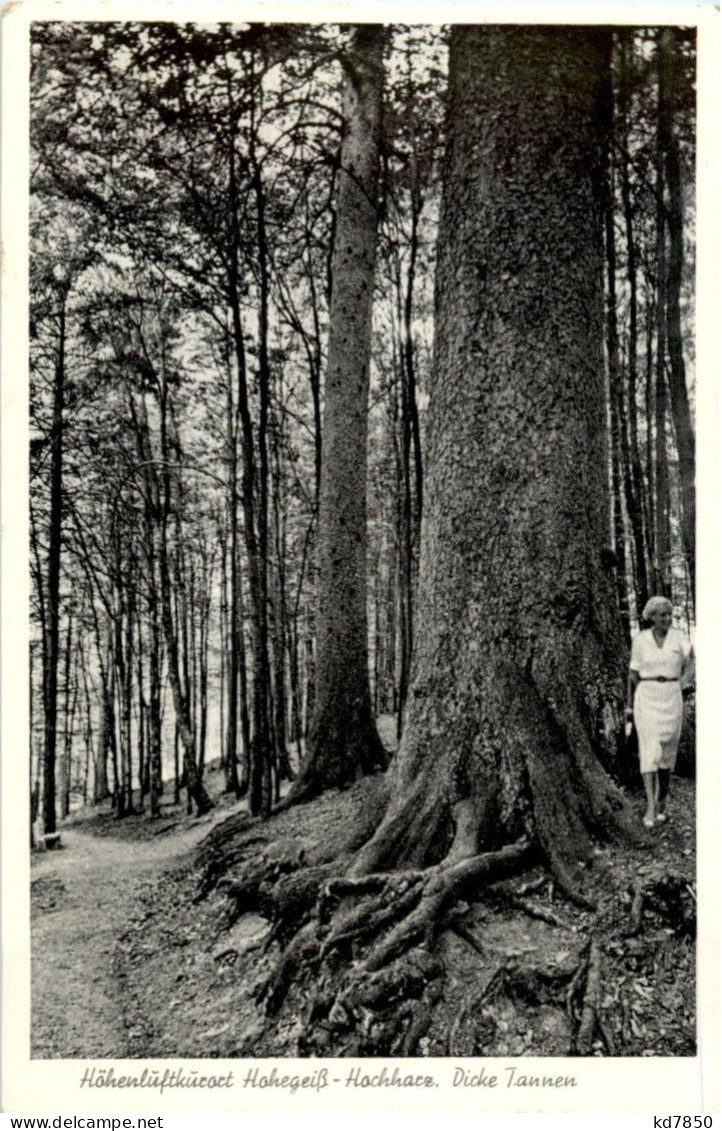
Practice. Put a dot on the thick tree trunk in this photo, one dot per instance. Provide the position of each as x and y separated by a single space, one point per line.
518 680
343 743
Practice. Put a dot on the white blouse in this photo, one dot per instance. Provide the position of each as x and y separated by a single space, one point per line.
650 661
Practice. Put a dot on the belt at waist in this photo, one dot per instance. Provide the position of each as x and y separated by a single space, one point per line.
660 678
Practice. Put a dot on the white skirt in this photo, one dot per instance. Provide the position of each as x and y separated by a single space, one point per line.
658 719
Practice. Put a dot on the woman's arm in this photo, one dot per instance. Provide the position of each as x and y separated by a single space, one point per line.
688 669
631 688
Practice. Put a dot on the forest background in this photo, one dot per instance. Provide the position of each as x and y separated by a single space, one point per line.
183 209
182 230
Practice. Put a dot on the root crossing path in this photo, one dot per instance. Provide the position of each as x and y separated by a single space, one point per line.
83 896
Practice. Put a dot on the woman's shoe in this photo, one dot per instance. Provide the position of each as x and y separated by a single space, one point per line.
648 822
661 818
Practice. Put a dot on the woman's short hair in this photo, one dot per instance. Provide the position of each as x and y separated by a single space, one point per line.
655 605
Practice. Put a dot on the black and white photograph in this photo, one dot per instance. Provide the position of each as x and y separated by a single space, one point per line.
361 550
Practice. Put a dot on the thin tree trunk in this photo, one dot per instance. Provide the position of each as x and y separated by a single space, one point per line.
681 415
53 582
278 607
101 790
412 460
259 754
223 636
141 715
663 575
127 688
90 756
621 469
196 789
151 515
176 765
243 693
235 648
618 528
65 768
641 526
263 751
204 615
649 415
112 718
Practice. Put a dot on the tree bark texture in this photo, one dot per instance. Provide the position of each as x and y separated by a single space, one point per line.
184 724
619 443
679 399
640 519
52 652
518 676
343 742
662 505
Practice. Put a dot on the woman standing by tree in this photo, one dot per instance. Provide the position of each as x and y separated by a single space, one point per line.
658 664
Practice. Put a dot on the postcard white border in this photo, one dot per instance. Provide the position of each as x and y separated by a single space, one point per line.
622 1085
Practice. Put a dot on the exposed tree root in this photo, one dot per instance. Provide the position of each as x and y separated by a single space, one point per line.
606 1036
359 946
534 910
289 902
380 1013
400 894
522 984
590 1008
574 990
441 885
257 874
531 887
374 976
298 960
491 988
458 926
569 885
419 1019
359 952
637 908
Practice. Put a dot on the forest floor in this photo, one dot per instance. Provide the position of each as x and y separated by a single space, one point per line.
139 952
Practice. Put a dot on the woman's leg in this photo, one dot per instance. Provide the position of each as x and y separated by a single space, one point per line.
650 788
663 776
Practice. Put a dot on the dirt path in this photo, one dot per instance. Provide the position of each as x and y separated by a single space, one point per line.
83 896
